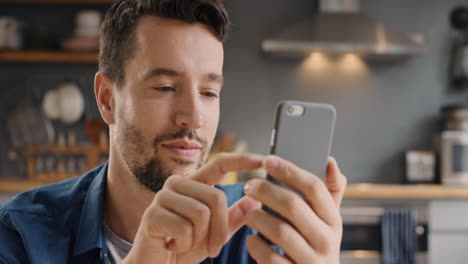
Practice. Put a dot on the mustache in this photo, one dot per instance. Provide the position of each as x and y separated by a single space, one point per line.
181 134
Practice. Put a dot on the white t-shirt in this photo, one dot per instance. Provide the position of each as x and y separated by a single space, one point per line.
117 247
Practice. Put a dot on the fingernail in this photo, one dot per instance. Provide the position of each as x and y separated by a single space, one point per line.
271 162
257 157
247 187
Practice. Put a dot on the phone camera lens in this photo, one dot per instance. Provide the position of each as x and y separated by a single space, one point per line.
295 110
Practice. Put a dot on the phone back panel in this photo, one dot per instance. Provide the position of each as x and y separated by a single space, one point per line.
305 140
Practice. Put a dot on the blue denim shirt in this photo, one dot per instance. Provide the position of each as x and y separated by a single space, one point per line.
62 223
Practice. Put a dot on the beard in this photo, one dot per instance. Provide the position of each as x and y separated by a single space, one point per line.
151 171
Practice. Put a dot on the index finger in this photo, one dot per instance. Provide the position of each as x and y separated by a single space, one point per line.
215 170
312 187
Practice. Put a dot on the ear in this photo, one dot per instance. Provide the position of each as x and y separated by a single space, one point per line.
104 97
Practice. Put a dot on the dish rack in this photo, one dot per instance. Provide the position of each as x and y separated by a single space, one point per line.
52 163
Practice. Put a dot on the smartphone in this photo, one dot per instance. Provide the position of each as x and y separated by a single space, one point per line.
302 134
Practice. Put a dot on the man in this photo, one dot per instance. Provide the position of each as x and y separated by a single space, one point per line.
158 87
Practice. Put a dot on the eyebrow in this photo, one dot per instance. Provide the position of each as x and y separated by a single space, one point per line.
215 78
173 73
160 72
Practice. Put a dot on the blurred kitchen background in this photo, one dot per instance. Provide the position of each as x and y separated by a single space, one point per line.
401 104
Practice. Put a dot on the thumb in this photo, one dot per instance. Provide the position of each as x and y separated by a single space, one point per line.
238 211
335 181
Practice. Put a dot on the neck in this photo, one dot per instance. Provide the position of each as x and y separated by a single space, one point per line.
126 199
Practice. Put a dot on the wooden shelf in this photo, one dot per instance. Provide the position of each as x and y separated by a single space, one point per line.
16 186
57 1
31 150
90 154
49 56
422 191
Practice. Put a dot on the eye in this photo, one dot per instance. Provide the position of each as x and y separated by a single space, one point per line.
165 89
210 94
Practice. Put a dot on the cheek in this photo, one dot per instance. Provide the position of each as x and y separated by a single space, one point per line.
152 117
211 123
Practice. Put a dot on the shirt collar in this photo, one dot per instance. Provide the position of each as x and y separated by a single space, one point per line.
89 234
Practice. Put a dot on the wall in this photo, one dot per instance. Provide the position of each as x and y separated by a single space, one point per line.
379 115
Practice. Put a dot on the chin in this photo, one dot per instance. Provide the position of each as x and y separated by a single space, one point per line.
182 167
183 171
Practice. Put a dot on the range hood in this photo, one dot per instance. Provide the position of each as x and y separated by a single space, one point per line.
340 28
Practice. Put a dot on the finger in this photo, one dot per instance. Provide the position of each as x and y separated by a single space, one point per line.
214 199
335 181
197 213
281 234
160 223
263 253
238 211
223 163
312 187
293 208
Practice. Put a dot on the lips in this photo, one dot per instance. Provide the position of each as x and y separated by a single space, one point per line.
183 149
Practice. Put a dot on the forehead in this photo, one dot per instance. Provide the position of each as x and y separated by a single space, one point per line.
171 43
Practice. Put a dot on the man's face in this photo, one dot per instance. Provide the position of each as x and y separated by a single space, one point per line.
167 110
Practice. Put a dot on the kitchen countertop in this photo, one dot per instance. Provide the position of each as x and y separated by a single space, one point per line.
418 191
353 191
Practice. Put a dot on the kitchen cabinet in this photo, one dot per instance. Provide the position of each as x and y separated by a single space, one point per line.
448 223
406 192
448 248
444 209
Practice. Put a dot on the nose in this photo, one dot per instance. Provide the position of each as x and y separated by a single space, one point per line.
189 112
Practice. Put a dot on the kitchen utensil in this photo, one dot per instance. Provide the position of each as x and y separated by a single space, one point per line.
10 164
44 131
71 102
455 117
459 21
15 35
86 36
82 166
71 166
71 138
65 103
27 125
460 65
11 36
3 32
50 105
61 141
39 166
87 24
454 157
50 164
420 166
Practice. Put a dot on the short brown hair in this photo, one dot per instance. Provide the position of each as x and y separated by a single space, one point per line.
118 44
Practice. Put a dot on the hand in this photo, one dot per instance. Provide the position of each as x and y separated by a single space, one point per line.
312 229
188 220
